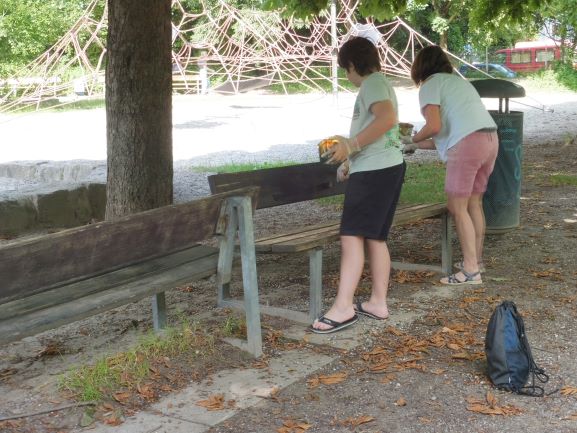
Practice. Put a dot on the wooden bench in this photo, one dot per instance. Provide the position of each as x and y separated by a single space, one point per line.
59 278
296 183
186 84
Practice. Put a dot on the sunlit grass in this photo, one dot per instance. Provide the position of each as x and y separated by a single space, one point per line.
126 370
235 168
562 180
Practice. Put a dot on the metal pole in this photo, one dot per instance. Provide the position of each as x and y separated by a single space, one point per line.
334 69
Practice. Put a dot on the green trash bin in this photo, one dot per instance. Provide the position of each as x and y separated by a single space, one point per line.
502 200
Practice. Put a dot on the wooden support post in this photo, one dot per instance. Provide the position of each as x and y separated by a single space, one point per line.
316 282
243 209
446 247
159 311
229 217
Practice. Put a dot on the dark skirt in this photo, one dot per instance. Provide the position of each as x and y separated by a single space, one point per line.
371 199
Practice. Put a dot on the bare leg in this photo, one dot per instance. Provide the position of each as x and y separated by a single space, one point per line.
352 263
380 263
475 209
466 232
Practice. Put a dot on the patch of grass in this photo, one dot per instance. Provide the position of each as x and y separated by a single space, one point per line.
235 168
84 104
322 78
54 104
424 183
127 370
234 326
562 180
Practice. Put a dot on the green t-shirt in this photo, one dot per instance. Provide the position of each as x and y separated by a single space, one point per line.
387 150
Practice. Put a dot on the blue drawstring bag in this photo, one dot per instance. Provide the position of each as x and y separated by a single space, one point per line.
509 359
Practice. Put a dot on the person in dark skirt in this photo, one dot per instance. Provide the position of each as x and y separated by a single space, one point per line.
372 160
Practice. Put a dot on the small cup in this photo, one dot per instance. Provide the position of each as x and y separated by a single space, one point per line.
406 128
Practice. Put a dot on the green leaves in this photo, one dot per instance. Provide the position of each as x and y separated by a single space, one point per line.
30 27
306 9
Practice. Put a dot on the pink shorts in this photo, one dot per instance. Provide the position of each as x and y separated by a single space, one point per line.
470 162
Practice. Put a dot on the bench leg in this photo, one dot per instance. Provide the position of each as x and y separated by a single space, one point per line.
316 283
446 247
225 257
241 208
159 311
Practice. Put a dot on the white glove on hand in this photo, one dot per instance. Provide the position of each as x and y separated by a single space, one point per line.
342 150
343 171
410 148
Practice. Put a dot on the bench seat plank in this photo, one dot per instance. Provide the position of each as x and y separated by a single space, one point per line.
82 299
72 291
321 234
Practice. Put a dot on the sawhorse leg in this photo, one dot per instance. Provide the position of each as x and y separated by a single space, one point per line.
316 283
159 311
239 211
446 247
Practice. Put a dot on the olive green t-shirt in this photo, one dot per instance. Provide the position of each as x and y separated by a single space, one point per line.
387 150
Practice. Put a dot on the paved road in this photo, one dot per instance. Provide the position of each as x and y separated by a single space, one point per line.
202 125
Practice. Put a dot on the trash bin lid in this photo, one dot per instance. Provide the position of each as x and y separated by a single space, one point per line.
496 88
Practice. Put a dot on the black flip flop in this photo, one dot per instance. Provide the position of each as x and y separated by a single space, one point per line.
336 326
360 310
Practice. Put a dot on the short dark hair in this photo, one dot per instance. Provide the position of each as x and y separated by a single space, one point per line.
430 60
360 53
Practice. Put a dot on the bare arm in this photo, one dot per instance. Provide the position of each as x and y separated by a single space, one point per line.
433 124
385 119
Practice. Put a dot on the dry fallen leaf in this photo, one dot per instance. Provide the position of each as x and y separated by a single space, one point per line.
395 331
491 399
329 379
568 390
291 426
401 402
388 378
146 391
489 406
462 355
214 402
113 420
121 397
355 422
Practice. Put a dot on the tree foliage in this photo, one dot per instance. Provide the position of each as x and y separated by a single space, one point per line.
559 18
30 27
379 9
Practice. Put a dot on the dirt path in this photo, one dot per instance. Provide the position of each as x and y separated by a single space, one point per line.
433 369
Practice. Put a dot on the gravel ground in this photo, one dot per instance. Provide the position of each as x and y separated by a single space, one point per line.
534 265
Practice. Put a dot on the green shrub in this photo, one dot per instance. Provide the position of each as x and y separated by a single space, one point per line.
566 75
561 76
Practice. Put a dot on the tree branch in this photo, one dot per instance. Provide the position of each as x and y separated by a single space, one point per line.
41 412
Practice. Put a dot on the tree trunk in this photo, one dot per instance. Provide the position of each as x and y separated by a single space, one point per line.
444 40
138 106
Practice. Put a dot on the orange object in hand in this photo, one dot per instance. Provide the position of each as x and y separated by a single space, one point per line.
325 145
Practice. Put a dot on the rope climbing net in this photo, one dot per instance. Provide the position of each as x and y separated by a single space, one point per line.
218 49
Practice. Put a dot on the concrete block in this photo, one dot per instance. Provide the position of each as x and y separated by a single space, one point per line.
70 208
17 216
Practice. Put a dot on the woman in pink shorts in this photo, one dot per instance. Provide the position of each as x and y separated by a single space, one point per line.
465 136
